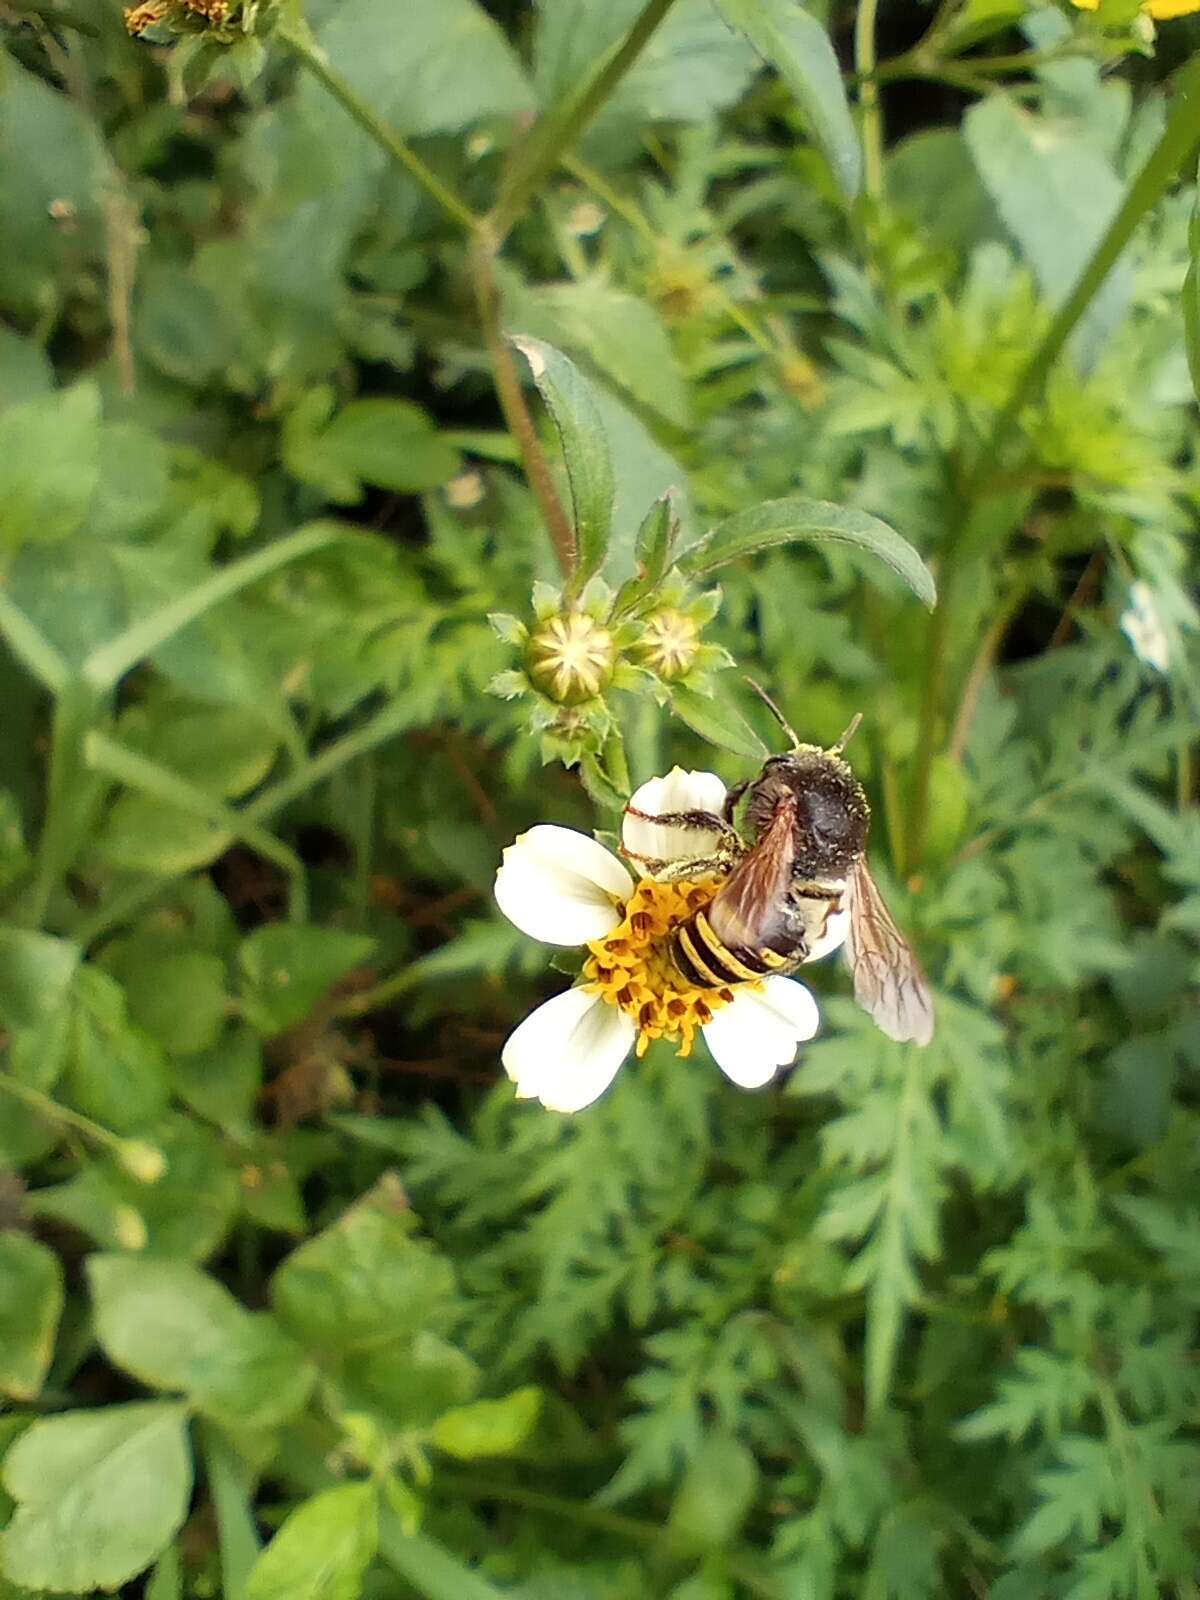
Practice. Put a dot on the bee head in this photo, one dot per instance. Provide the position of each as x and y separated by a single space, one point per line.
831 810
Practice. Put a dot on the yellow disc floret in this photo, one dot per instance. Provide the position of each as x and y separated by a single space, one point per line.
631 967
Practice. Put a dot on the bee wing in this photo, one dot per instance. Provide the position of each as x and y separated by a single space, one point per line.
747 903
888 981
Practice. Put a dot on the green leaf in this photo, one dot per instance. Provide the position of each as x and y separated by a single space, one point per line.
366 1279
717 719
446 68
576 417
655 545
51 178
1191 298
391 444
173 1327
222 1083
289 967
488 1427
323 1549
431 1569
31 1303
716 1493
779 522
624 337
177 996
25 371
36 974
797 46
100 1494
49 465
115 1073
1056 194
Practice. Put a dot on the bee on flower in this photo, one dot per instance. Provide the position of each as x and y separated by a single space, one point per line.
566 889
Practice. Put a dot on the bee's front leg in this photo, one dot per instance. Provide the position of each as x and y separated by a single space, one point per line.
731 799
698 821
673 871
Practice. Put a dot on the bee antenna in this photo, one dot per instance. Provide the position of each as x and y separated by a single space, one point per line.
836 749
775 711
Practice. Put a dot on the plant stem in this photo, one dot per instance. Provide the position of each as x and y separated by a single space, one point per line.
71 794
1178 144
587 1515
298 38
553 134
62 1115
868 96
512 403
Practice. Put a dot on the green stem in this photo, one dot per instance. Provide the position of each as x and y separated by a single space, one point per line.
71 794
299 39
31 647
384 725
146 777
62 1115
586 1515
512 403
553 135
109 663
1175 148
868 96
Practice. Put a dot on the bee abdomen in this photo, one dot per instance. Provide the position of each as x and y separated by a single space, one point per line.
705 962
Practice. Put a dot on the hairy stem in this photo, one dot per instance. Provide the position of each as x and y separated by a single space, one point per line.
512 403
557 130
308 52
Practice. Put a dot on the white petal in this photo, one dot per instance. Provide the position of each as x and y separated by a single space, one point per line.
678 791
758 1032
832 939
561 886
566 1053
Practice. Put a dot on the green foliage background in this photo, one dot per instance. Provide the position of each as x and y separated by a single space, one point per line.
295 1300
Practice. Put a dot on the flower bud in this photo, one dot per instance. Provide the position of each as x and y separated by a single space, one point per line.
571 658
129 1228
142 1161
669 644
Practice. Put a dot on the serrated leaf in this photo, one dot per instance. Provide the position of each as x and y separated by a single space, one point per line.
780 522
792 41
576 417
99 1495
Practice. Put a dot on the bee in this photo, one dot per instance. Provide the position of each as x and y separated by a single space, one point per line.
802 877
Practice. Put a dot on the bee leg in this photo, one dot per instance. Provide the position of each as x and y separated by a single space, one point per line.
731 800
698 821
672 871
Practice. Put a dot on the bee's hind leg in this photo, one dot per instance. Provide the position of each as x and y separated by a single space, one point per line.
673 871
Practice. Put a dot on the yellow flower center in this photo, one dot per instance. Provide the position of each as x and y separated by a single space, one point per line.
631 967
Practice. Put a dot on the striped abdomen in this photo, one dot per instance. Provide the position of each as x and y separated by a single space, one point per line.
783 937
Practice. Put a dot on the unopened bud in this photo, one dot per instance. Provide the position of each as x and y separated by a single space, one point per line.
129 1228
669 644
142 1161
571 658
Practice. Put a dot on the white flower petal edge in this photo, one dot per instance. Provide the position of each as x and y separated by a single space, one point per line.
760 1031
561 887
567 1052
678 791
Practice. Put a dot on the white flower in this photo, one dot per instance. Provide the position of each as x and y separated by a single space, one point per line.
564 888
1143 627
